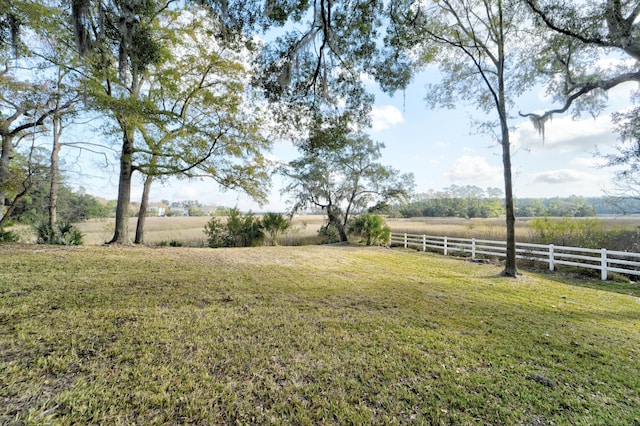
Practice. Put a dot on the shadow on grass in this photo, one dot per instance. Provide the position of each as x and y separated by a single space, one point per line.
580 277
586 278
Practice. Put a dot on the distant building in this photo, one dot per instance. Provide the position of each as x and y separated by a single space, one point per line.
156 209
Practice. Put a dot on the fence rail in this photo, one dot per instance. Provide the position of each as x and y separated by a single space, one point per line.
604 260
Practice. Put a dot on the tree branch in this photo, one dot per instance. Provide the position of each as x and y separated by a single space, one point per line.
586 88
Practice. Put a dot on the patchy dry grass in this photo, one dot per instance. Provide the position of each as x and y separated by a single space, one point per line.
311 335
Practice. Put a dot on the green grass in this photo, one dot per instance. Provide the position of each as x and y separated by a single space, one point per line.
306 335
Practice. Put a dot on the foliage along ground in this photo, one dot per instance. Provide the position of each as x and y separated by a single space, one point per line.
305 335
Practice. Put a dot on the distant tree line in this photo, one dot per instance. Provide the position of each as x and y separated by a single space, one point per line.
474 202
555 207
455 201
73 206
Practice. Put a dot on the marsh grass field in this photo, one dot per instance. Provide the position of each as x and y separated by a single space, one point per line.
188 231
307 335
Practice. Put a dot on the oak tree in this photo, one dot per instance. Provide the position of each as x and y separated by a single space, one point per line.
482 49
344 181
207 124
119 42
28 97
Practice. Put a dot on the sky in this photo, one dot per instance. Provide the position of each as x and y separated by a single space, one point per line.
441 149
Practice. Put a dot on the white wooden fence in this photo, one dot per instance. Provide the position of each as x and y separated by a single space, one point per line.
604 260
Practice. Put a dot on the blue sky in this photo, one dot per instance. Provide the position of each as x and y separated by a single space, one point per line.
439 147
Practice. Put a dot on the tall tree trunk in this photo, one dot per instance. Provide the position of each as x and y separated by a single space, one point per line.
54 171
121 233
335 221
510 268
142 213
12 207
342 233
144 203
5 154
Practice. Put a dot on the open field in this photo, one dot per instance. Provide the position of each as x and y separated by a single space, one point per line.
306 335
493 228
189 230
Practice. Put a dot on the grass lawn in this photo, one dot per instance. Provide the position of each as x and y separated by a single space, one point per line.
306 335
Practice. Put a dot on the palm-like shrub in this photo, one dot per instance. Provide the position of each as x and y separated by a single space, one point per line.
274 224
62 233
371 228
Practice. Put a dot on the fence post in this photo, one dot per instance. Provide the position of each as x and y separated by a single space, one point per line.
405 240
603 264
424 242
473 248
445 246
552 265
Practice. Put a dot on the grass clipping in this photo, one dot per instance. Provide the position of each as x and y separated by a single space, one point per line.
305 335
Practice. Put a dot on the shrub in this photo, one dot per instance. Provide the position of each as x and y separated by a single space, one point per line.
274 224
328 234
238 231
62 233
8 236
372 228
216 232
243 231
586 233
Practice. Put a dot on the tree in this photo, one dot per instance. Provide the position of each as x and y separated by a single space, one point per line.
72 206
625 193
173 118
584 34
66 92
584 37
344 181
206 125
312 76
482 49
624 197
459 201
27 100
27 170
119 42
532 208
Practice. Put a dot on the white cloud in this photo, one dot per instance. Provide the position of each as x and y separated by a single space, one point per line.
189 192
473 169
561 176
368 79
610 63
385 117
566 135
590 162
